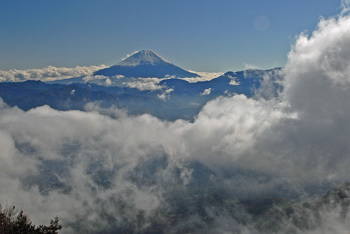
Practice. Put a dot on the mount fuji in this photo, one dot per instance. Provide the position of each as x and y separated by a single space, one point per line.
145 63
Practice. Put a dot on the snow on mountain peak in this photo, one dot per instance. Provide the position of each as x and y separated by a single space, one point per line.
145 63
143 57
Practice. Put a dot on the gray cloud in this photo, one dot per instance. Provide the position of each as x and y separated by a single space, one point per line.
204 76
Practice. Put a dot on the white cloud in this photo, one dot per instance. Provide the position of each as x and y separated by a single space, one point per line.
143 83
48 73
233 81
165 94
204 76
206 91
108 82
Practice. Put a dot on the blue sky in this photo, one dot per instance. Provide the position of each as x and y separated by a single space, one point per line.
201 35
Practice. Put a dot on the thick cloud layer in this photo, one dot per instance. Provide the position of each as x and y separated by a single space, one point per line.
84 164
49 73
102 170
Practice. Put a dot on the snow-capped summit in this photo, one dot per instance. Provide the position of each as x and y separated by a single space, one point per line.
145 63
141 58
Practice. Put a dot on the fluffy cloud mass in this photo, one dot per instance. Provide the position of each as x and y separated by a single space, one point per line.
102 170
48 73
90 165
144 83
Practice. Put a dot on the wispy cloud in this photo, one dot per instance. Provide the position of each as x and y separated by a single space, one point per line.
345 5
165 94
204 76
206 91
131 54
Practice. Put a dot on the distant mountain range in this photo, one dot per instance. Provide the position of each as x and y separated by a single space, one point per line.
173 98
145 63
177 99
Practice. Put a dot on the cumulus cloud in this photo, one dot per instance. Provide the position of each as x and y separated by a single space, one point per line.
108 82
233 80
94 78
271 85
206 91
316 88
104 80
143 83
49 73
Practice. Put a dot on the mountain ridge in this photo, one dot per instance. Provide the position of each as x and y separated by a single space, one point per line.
144 64
142 57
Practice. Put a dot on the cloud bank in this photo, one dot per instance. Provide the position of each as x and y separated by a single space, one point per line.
49 73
